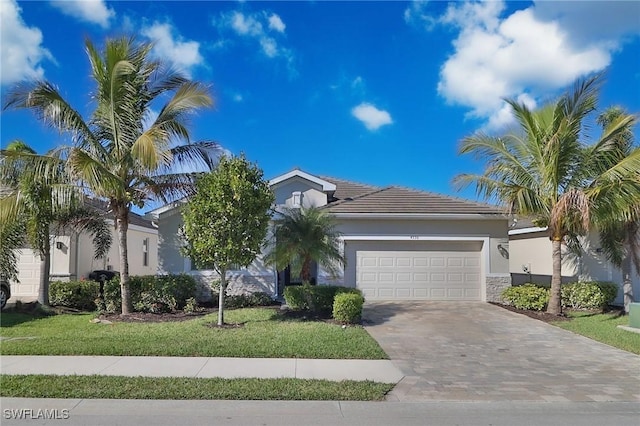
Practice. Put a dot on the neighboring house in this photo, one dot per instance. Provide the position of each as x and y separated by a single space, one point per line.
72 256
530 260
400 244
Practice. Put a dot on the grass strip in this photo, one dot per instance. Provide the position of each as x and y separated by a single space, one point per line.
262 334
603 328
117 387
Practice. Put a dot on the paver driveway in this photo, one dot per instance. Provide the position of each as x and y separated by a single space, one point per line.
471 351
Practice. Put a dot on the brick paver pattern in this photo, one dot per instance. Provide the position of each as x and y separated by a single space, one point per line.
472 351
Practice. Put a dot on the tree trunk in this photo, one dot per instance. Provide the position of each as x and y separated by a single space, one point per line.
555 300
305 274
45 266
627 287
223 288
122 226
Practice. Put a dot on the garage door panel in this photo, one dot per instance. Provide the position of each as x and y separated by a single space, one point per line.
389 275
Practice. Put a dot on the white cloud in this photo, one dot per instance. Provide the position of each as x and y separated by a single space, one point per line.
529 54
93 11
372 117
416 14
261 27
184 55
21 49
275 23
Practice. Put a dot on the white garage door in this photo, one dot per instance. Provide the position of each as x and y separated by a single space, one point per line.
429 275
28 274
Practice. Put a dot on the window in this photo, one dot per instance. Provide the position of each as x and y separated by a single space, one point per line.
145 252
296 199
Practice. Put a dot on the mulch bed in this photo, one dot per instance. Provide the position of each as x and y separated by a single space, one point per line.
151 317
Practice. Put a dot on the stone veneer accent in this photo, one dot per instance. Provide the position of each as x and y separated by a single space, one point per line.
495 286
236 284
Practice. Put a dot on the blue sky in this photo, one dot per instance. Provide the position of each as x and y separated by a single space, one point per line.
376 92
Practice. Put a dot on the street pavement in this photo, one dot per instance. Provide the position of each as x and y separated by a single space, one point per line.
330 413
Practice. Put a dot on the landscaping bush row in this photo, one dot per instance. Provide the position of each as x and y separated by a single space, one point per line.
579 295
323 299
149 293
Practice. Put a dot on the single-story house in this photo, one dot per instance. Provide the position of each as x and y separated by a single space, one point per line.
72 255
530 260
399 243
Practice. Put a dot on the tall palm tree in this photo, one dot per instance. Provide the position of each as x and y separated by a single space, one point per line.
41 203
544 170
620 230
302 236
120 153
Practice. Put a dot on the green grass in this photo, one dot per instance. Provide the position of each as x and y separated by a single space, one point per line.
41 386
603 328
263 335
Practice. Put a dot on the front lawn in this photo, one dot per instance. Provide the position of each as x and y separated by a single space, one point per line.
262 334
603 328
45 386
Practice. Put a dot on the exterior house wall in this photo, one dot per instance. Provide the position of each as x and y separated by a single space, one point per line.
312 194
72 258
534 251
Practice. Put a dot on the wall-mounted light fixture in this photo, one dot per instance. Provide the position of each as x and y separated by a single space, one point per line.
59 245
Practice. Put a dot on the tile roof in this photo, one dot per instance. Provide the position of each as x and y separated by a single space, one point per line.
103 207
351 197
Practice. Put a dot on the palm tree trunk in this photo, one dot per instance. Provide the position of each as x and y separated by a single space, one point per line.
627 287
45 265
305 274
555 301
122 226
223 288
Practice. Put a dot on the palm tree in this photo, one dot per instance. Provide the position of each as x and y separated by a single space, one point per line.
545 172
121 154
302 236
620 230
38 202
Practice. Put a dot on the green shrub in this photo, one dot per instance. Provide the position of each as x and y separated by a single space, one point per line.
527 296
191 306
247 300
79 295
588 295
347 307
150 293
314 298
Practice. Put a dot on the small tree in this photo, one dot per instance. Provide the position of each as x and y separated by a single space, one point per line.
226 221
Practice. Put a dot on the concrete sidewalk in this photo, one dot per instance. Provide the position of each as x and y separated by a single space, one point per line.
329 369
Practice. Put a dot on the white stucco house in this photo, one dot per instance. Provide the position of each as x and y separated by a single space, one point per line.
72 256
530 260
399 243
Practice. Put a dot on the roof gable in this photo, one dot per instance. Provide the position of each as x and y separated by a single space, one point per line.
325 185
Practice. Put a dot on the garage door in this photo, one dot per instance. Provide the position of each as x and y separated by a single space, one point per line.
428 275
28 274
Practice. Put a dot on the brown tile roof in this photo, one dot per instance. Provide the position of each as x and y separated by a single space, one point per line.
348 189
358 198
103 207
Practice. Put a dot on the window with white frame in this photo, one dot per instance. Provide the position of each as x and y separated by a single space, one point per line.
145 252
296 199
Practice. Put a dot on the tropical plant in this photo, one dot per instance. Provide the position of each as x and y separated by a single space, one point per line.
42 203
620 230
121 153
544 171
226 221
302 236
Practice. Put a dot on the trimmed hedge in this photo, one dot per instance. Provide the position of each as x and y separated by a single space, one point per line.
247 300
527 296
588 295
347 307
150 293
79 295
314 298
